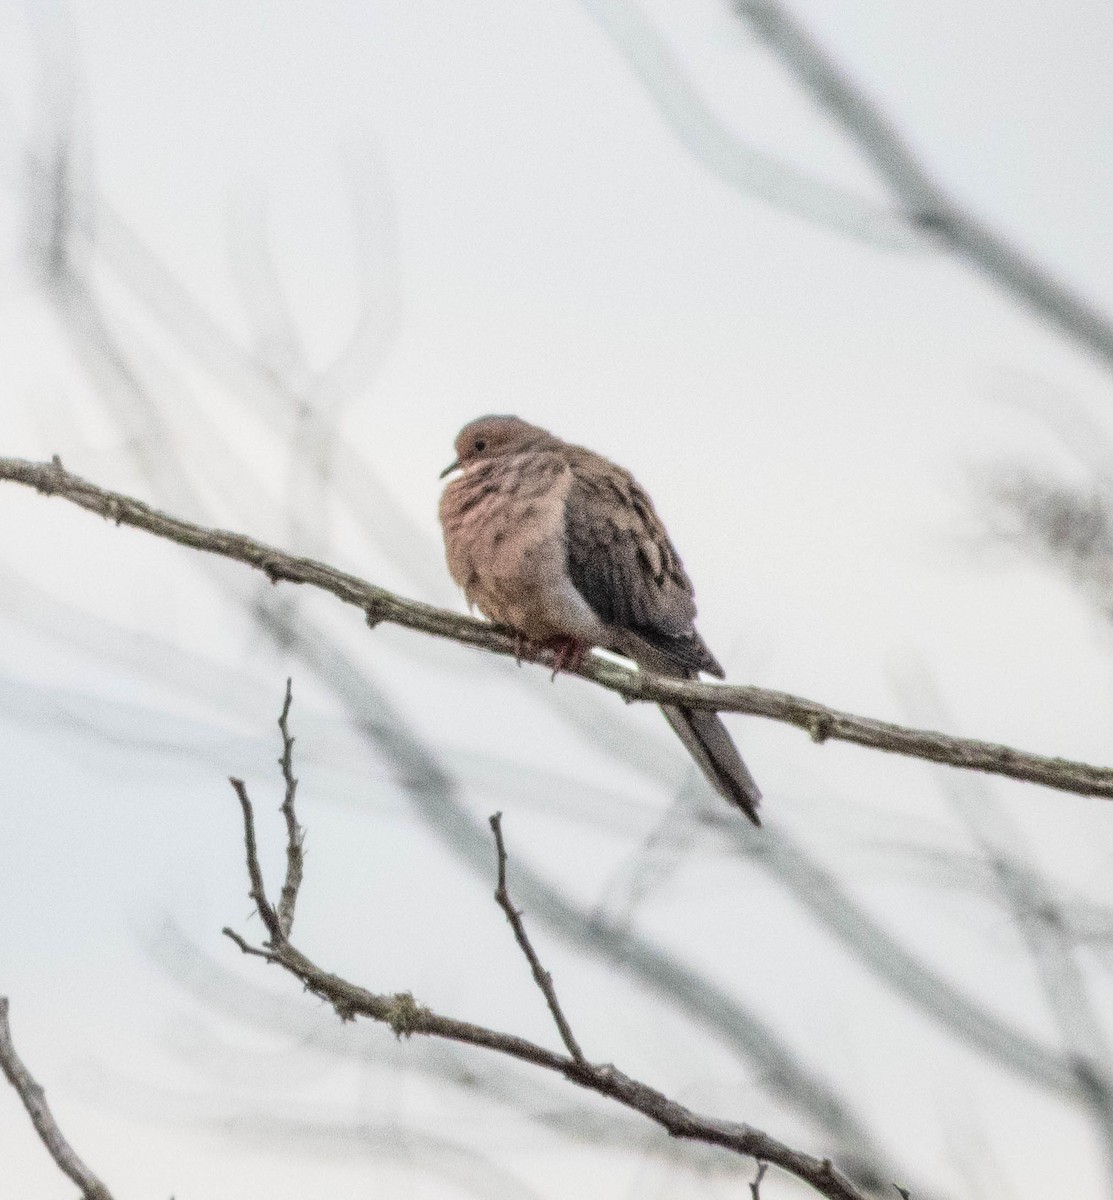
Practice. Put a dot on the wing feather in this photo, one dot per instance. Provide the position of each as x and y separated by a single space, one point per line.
623 564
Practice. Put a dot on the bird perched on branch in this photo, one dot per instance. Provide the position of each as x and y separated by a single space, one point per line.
566 549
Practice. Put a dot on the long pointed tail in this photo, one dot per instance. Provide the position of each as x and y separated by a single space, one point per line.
708 742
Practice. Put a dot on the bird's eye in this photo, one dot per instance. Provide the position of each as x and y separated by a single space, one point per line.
480 444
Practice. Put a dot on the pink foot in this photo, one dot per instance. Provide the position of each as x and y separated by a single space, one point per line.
568 653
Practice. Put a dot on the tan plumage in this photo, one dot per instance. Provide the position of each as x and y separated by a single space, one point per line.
566 548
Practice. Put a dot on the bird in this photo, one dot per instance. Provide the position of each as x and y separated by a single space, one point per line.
565 548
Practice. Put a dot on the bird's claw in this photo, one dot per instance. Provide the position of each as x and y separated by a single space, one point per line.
522 648
568 654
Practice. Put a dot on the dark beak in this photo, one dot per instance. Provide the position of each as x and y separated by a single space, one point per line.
449 469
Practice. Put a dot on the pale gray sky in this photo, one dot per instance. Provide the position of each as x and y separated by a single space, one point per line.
807 408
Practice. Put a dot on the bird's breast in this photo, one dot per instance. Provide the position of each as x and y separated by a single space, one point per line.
504 536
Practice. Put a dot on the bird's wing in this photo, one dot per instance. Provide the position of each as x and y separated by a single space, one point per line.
623 564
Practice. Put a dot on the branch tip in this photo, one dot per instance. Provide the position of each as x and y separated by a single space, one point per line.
295 834
258 892
542 978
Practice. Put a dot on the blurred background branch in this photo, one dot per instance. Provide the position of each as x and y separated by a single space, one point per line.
924 202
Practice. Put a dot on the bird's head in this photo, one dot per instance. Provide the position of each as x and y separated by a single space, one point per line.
492 437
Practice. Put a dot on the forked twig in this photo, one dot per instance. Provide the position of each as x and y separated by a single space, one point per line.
279 921
407 1017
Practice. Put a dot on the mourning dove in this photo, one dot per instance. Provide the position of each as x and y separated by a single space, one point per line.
566 549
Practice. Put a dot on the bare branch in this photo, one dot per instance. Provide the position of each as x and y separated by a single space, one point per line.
755 1187
407 1018
821 722
543 978
34 1100
436 796
295 835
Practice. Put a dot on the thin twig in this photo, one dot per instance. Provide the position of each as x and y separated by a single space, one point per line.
258 891
755 1187
821 722
34 1100
543 978
245 945
295 835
